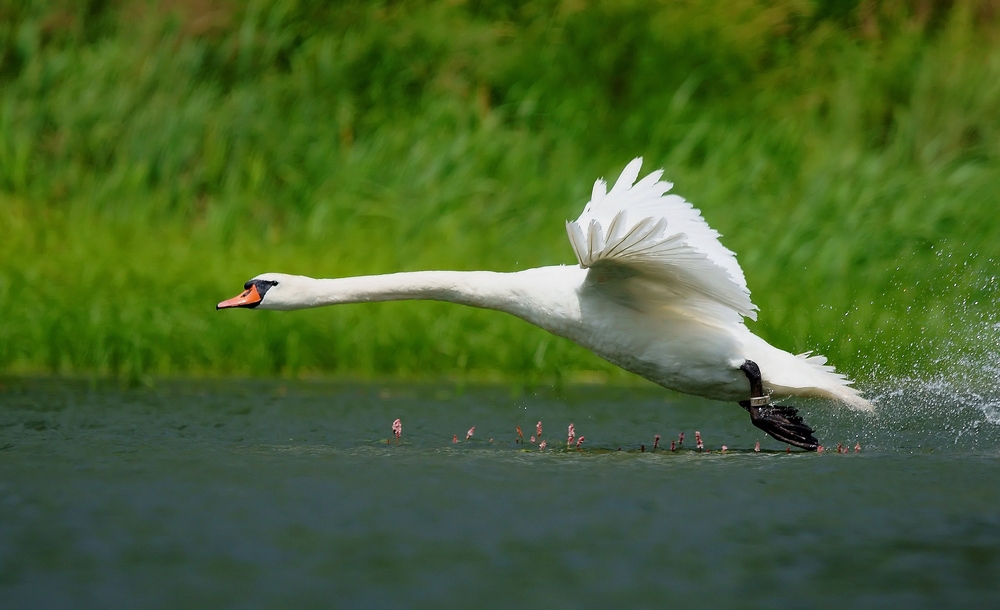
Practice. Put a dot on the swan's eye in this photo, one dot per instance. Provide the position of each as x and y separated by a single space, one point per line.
263 286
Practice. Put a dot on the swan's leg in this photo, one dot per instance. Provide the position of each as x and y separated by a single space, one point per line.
780 422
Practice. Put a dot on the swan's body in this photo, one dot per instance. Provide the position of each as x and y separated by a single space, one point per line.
655 293
669 345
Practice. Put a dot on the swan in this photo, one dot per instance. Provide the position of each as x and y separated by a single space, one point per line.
654 292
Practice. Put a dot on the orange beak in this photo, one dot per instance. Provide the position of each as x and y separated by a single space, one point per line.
248 298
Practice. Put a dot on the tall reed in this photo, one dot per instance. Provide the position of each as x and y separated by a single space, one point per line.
155 156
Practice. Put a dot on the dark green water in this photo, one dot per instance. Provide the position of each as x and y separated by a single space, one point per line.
268 494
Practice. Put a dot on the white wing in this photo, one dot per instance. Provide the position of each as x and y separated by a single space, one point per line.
660 237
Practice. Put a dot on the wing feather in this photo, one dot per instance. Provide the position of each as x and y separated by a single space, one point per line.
660 237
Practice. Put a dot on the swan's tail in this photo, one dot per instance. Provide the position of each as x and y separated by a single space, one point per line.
809 376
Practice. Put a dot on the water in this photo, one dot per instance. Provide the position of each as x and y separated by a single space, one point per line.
268 494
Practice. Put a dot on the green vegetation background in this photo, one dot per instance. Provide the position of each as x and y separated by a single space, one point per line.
153 157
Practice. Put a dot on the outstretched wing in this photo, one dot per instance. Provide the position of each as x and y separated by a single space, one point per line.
660 237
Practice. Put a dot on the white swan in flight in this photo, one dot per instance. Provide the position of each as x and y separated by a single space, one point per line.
654 292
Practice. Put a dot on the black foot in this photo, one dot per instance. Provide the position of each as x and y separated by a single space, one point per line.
782 423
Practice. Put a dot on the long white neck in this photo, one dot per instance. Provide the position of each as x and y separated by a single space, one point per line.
476 288
533 295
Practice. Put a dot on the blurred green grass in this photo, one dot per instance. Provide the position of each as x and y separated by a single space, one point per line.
154 156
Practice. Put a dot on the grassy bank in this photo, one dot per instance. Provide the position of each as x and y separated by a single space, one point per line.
155 156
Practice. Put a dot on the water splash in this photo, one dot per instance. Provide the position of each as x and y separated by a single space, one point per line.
948 395
950 400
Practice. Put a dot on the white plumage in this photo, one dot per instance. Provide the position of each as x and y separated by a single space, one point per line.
655 292
661 237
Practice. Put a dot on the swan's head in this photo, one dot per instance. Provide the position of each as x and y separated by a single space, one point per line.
269 291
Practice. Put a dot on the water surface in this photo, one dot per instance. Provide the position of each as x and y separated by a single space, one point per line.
263 494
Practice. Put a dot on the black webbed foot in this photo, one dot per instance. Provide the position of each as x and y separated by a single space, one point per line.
780 422
784 424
